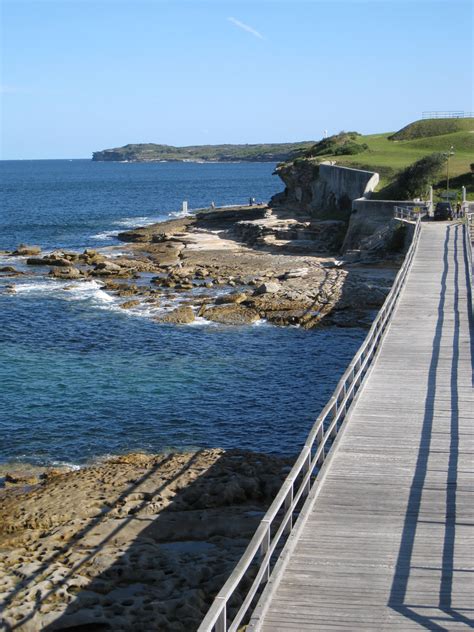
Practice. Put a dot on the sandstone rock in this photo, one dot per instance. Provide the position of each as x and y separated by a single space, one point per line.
135 264
65 273
181 315
92 257
296 273
129 304
21 478
233 297
8 269
269 287
51 260
231 314
110 266
24 251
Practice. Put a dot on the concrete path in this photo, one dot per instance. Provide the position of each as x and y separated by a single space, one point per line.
389 543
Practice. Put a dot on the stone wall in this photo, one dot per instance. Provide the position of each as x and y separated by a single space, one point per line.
368 217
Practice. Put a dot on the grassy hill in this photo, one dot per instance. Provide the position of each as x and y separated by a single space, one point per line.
150 152
391 152
432 127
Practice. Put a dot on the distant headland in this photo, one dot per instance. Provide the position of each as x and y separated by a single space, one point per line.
151 152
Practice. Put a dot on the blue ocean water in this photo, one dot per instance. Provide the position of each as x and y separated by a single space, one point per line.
80 203
80 379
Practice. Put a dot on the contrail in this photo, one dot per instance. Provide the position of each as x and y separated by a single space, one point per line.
246 27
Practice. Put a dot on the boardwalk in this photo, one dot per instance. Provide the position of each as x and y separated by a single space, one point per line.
389 542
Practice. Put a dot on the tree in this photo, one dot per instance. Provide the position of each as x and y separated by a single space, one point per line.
415 179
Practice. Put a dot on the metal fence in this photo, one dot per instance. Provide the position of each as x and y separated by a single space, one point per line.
276 525
453 114
411 213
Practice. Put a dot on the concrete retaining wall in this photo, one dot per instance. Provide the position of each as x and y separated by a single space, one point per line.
336 187
368 217
324 190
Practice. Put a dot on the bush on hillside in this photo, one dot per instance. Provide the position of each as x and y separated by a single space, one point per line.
350 149
329 146
417 177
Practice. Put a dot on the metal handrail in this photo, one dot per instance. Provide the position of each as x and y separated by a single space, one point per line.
409 213
468 237
263 545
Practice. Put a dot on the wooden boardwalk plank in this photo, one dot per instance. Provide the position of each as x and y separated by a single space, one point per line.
389 543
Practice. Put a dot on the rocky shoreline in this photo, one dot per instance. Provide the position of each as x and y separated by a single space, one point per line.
144 542
233 266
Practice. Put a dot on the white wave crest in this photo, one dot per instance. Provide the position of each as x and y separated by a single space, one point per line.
67 290
134 222
106 235
72 467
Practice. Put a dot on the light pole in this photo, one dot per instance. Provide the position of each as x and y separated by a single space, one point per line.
449 154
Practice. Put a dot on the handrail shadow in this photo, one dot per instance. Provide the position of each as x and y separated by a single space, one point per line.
399 589
155 570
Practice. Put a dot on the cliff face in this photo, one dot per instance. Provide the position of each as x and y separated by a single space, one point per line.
324 191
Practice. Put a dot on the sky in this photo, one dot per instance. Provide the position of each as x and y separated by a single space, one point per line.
84 75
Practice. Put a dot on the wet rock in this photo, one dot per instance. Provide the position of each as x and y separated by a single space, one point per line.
231 314
92 257
129 304
233 297
108 268
181 316
65 273
25 251
20 478
51 260
10 271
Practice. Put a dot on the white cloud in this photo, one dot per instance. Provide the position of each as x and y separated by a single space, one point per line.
246 27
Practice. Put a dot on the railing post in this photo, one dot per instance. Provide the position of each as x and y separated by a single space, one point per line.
221 623
287 505
263 551
306 470
334 430
321 443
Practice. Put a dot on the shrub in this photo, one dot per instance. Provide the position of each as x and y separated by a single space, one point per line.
416 178
349 148
330 145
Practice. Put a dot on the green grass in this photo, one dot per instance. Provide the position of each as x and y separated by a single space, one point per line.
432 127
388 156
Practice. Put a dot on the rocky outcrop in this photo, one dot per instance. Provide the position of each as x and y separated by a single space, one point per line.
182 315
26 251
144 542
231 314
323 190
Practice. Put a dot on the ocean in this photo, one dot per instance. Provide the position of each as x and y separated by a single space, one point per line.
81 379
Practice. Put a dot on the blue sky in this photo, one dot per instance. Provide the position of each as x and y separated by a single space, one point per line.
84 75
